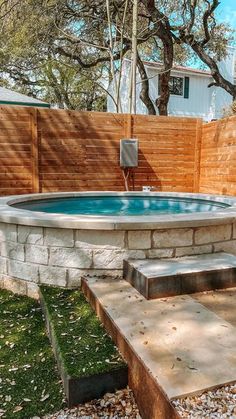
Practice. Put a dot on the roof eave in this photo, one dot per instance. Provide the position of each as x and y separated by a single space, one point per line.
33 104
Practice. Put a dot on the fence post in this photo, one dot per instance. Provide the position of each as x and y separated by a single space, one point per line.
197 156
34 149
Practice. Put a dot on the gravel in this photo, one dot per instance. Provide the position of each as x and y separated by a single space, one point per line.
118 405
218 403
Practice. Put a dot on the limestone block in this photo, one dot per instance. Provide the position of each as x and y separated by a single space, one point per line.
173 237
36 254
74 277
140 239
134 254
52 276
22 270
234 231
13 250
108 259
193 250
113 259
212 234
70 257
3 265
227 247
97 238
30 235
160 253
58 237
16 286
8 232
32 290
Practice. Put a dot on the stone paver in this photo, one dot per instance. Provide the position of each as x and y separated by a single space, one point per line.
222 302
186 347
187 264
160 278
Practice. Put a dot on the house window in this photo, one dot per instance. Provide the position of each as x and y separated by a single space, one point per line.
176 85
179 86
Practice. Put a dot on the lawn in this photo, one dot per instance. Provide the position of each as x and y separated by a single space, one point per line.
29 381
30 384
85 347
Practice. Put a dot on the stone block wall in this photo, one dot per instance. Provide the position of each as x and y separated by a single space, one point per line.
30 256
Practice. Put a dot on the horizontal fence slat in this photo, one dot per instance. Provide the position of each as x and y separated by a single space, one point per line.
80 150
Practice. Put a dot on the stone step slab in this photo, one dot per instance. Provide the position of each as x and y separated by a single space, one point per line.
158 278
174 346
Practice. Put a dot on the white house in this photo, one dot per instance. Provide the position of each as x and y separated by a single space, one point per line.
190 94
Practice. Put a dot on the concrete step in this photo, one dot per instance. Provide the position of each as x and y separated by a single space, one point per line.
158 278
174 347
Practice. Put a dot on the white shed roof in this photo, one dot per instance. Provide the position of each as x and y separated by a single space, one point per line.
9 97
179 68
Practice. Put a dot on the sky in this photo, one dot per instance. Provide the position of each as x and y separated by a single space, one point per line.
227 12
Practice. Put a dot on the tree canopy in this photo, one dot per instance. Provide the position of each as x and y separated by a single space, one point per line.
67 51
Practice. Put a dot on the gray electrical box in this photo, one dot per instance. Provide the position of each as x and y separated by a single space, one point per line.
129 152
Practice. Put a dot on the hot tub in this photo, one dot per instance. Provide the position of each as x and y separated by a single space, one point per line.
58 238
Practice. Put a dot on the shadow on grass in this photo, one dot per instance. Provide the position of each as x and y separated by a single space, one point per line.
30 384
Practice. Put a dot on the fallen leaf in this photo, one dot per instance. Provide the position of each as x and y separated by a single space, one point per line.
44 397
17 409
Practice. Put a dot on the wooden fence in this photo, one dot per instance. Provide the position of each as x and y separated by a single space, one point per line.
44 150
218 157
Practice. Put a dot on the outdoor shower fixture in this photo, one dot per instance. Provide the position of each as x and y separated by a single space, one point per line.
128 158
128 153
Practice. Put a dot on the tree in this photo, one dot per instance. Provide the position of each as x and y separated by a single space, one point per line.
61 85
94 36
230 110
205 38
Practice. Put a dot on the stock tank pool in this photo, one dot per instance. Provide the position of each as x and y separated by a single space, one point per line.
59 238
121 205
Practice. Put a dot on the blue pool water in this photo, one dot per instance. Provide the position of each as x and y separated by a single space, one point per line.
118 205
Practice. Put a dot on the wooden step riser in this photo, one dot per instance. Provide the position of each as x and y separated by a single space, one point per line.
189 283
151 400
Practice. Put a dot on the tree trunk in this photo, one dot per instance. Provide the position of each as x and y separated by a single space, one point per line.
162 27
220 81
164 80
144 94
163 99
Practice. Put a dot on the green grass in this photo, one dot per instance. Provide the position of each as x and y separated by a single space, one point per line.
84 346
29 381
